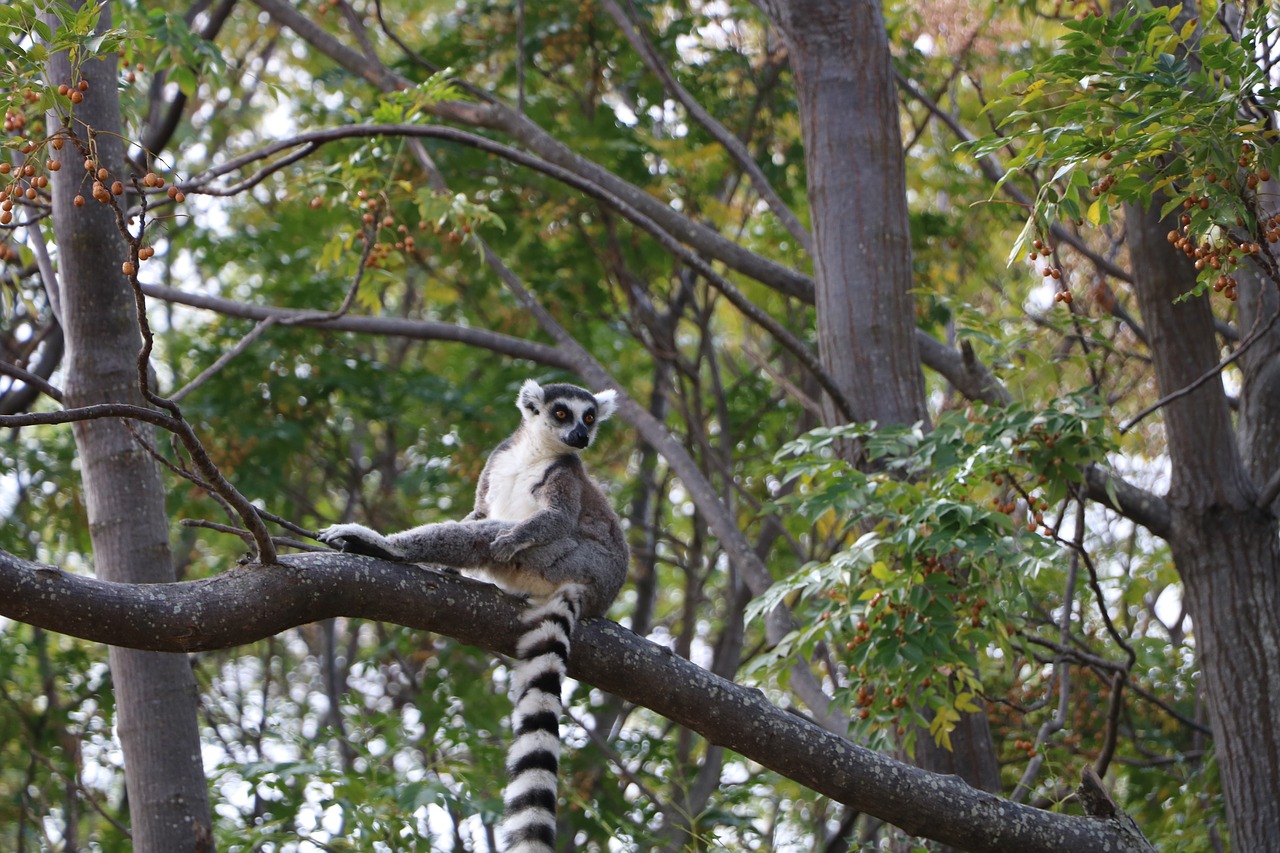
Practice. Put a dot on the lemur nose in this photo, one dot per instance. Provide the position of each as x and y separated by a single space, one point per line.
578 437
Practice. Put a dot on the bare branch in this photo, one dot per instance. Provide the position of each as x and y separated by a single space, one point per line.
1259 331
31 379
312 139
1112 491
732 145
249 603
423 330
224 359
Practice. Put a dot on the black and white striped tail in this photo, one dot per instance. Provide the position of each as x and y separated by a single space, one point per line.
542 657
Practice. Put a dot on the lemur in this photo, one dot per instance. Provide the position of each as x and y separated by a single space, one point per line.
540 527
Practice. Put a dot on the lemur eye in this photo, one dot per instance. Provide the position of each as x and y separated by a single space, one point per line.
561 414
588 419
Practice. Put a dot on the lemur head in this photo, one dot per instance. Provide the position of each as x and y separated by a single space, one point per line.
564 414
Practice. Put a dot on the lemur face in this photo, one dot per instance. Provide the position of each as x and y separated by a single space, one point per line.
567 413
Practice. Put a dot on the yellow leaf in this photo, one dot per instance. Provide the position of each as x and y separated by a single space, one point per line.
880 571
944 722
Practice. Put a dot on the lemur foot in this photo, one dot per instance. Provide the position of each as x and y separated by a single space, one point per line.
358 539
505 546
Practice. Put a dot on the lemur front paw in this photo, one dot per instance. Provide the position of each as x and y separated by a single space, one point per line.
357 539
505 546
335 535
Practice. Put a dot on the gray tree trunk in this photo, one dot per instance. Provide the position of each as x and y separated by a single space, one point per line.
156 697
1225 546
839 53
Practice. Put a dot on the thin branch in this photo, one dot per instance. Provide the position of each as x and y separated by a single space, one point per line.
312 139
31 379
180 426
496 116
1258 332
1061 674
224 359
995 173
731 144
423 330
88 413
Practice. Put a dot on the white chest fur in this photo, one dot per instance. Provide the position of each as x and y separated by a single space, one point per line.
512 478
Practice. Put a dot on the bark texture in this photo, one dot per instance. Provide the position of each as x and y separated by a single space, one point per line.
839 55
1224 544
155 693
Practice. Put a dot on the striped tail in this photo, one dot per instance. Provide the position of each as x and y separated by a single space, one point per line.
533 761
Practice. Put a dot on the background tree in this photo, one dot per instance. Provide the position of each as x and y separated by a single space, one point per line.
636 194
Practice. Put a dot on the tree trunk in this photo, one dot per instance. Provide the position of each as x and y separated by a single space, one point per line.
1224 545
839 54
156 697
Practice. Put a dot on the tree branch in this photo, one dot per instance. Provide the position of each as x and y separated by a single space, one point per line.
499 117
249 603
995 173
962 369
310 140
1112 491
33 380
731 144
422 330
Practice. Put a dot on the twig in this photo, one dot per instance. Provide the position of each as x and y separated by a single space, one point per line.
731 144
1061 673
177 423
1255 335
74 781
370 239
222 360
30 379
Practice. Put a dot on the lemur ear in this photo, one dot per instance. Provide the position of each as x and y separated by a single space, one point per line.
606 403
530 397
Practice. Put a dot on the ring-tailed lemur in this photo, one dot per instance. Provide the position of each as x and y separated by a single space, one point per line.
540 527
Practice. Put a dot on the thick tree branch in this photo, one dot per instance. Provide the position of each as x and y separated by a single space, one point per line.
961 368
252 602
1146 508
